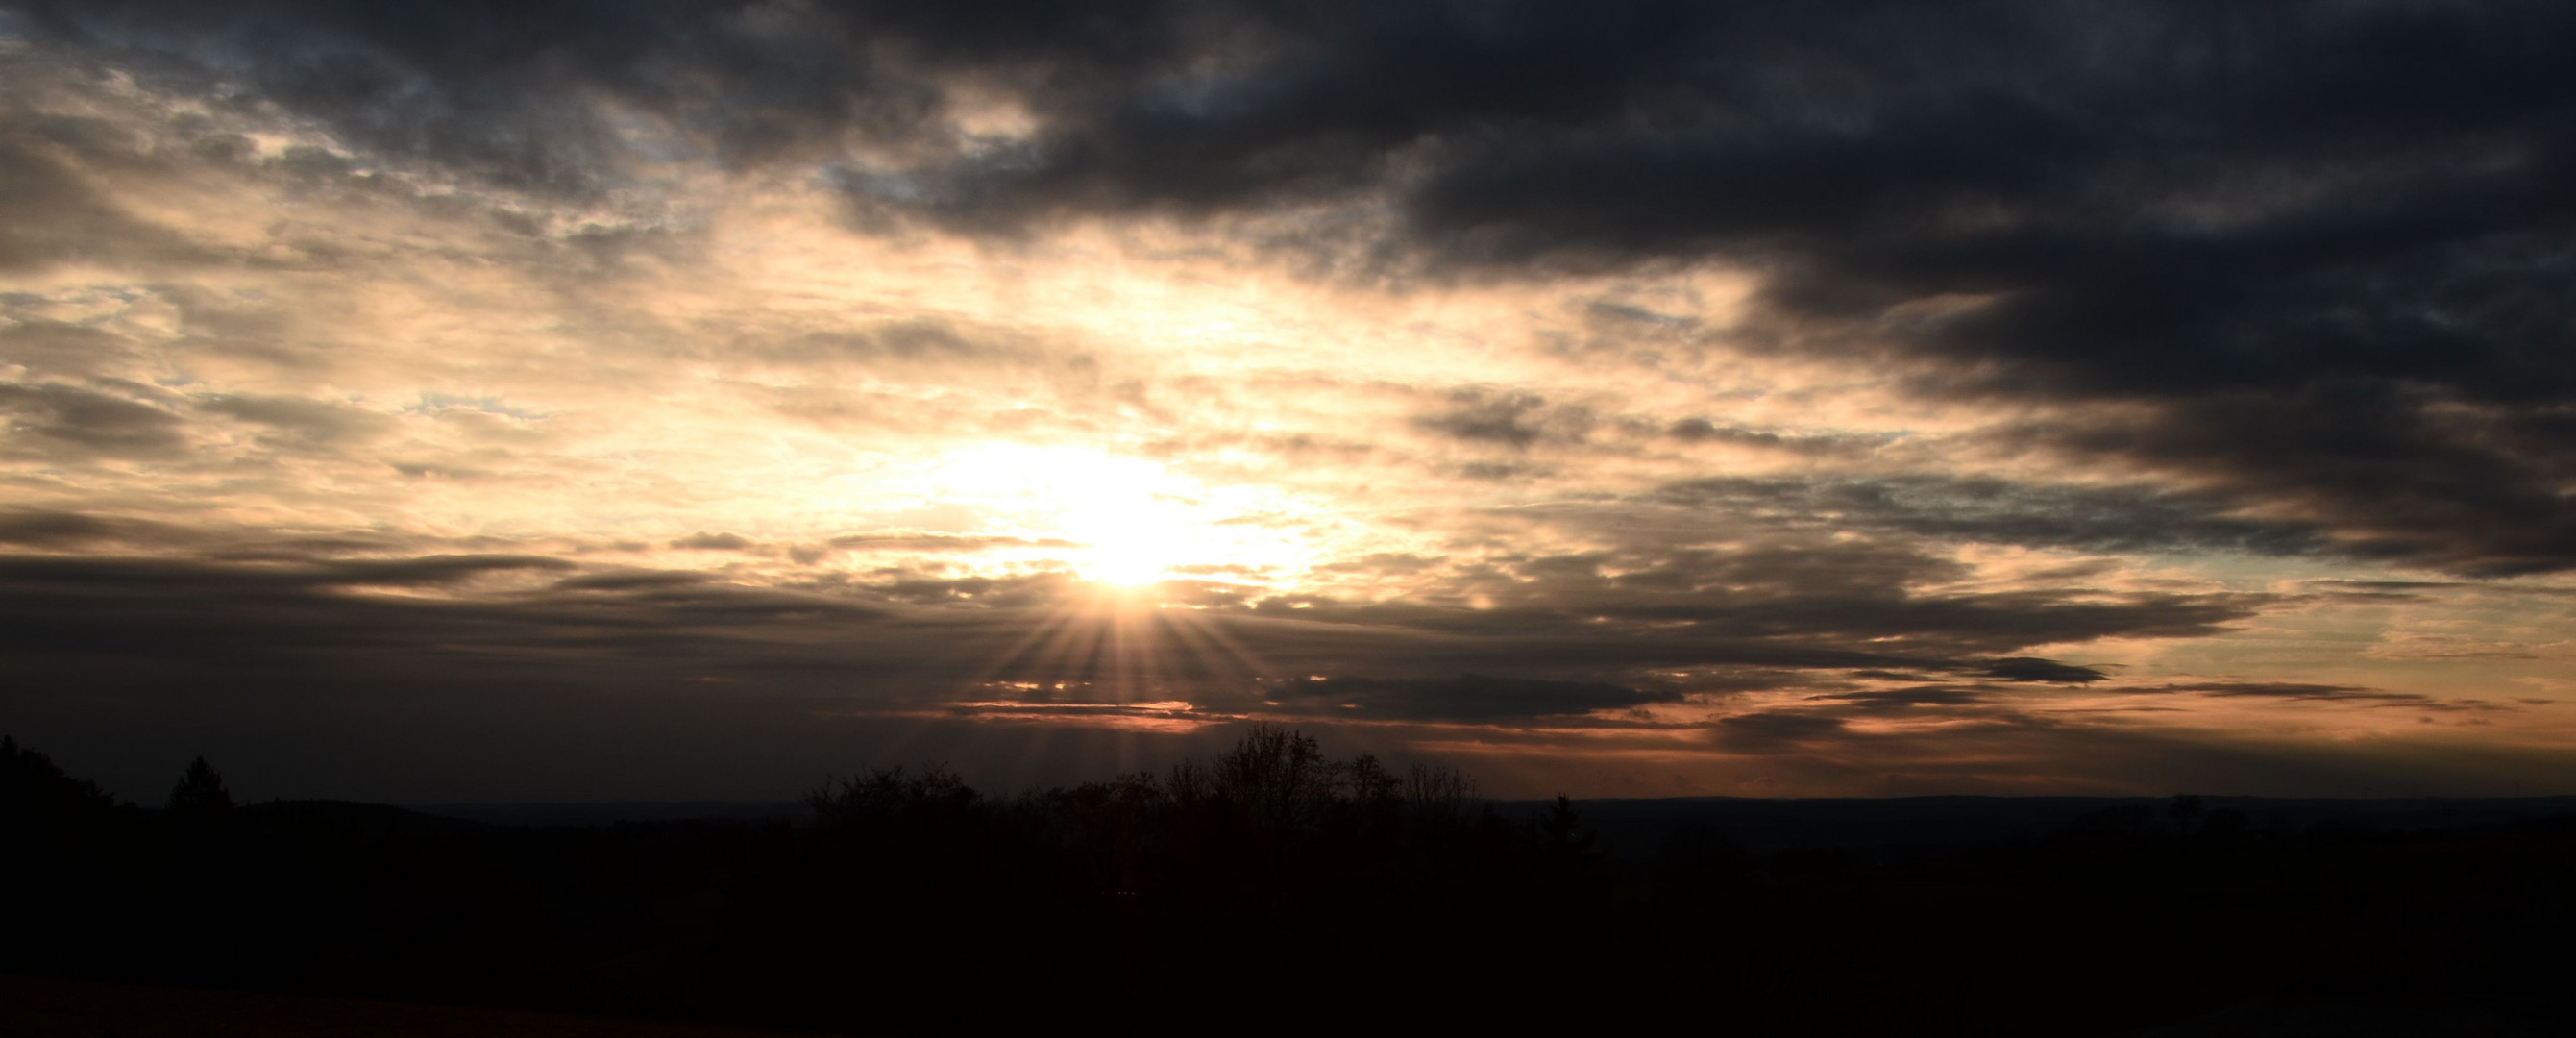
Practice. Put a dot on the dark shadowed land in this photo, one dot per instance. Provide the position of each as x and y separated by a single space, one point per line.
59 1007
1929 826
634 811
1274 889
1636 831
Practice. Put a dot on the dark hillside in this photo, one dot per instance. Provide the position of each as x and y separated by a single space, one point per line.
1275 890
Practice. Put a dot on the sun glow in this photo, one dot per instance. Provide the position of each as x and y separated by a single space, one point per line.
1120 521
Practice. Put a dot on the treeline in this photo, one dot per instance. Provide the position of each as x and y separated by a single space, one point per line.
1271 888
1268 890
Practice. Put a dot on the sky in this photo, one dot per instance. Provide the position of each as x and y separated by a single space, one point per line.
663 401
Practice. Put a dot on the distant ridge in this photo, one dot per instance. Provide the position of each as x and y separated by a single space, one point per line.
1638 828
362 819
605 814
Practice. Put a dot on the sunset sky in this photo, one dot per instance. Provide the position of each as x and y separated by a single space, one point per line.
632 401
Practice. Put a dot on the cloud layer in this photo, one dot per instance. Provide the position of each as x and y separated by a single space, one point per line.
1755 397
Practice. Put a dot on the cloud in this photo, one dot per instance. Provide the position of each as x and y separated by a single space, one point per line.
1819 389
1701 430
2312 692
1907 700
427 571
501 92
704 541
941 542
2131 518
69 421
52 212
320 423
1868 598
2312 255
326 620
2031 668
2320 297
2367 462
465 617
58 348
2304 691
1385 562
58 529
1774 730
243 647
1515 420
1466 697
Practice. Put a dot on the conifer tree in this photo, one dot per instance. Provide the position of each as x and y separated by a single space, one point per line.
200 791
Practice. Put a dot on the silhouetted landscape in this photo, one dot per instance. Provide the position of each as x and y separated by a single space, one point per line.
1735 517
1277 889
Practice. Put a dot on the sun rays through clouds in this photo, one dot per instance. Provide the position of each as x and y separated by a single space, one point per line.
1718 398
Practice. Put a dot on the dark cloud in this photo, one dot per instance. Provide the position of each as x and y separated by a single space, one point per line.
504 91
1907 700
1466 697
2324 252
2278 689
2305 692
319 423
1800 603
427 571
55 529
631 580
1701 430
2380 590
1509 419
1033 590
530 657
467 617
2412 474
49 210
2281 281
1324 101
2313 692
325 621
108 535
2318 253
2032 668
57 348
69 421
1775 730
2003 753
1996 511
1383 562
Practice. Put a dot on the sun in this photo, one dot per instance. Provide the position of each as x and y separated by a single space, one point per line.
1127 539
1120 521
1125 561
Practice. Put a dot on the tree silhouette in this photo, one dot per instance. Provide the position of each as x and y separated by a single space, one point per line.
1565 846
916 905
1277 776
200 792
1438 793
33 788
1561 830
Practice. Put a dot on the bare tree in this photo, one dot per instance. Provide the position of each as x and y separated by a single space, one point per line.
200 792
1437 792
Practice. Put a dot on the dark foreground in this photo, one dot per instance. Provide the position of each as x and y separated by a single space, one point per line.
59 1007
1273 890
